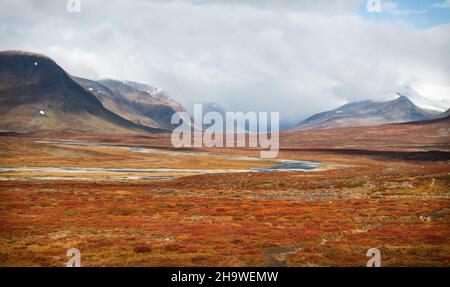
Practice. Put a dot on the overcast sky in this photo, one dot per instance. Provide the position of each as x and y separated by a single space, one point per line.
296 57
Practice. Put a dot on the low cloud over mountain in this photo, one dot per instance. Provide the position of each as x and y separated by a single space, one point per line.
368 113
294 57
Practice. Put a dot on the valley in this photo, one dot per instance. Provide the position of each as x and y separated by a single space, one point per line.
388 193
89 164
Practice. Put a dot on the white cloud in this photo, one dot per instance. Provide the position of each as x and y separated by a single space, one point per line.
392 8
296 57
444 4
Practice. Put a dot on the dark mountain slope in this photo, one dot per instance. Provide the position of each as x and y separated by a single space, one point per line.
36 94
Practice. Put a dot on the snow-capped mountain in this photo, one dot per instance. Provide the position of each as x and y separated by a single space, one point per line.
369 113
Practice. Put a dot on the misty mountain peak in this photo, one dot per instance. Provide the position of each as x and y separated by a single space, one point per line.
402 98
367 113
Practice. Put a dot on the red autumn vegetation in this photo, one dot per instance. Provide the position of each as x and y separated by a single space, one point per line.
397 202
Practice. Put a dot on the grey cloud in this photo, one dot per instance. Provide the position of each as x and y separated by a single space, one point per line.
296 57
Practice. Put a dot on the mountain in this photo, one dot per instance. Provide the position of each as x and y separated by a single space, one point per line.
446 113
208 107
368 113
115 102
140 103
36 95
213 107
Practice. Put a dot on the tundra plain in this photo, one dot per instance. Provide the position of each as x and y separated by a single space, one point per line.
122 201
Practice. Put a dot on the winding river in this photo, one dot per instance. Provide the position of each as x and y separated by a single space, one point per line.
123 174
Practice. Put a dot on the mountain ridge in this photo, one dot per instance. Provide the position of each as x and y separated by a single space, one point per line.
37 94
367 113
146 105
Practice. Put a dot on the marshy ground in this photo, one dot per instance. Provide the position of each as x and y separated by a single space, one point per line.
328 216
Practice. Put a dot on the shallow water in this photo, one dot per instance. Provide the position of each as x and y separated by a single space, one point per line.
290 166
77 178
99 173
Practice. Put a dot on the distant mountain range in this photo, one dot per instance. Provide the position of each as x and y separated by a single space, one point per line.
447 113
36 94
140 103
369 113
